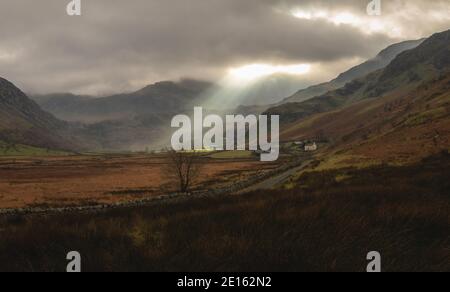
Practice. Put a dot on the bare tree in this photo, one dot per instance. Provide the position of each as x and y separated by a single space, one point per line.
183 167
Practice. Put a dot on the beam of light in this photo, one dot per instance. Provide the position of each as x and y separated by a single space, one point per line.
256 71
239 83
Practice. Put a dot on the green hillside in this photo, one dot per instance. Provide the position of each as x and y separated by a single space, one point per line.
8 149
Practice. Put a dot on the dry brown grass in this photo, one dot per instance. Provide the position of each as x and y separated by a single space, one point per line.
78 180
323 224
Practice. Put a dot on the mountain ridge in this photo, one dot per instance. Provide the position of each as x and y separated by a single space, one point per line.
405 72
161 97
23 121
378 62
400 113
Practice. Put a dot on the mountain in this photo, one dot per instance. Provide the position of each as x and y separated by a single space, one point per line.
132 121
405 72
159 98
398 127
22 121
379 62
399 113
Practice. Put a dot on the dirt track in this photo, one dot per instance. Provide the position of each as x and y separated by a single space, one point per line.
272 182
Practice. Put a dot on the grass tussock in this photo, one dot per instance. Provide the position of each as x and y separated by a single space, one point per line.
320 224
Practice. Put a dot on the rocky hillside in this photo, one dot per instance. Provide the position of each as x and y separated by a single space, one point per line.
408 70
372 65
401 113
23 121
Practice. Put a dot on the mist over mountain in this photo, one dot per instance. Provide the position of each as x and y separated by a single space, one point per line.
159 98
141 119
271 90
173 97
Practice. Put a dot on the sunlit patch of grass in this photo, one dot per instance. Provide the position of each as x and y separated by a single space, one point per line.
346 160
24 150
290 185
232 155
425 117
342 177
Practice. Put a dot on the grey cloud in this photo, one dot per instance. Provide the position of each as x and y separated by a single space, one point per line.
122 45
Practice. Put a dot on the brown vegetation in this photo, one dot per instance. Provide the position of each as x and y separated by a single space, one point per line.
81 180
329 221
404 126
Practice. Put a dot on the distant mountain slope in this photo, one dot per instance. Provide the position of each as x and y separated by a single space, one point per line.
409 69
158 98
400 126
23 121
271 90
133 121
379 62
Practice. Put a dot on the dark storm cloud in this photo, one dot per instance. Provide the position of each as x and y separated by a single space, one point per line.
121 45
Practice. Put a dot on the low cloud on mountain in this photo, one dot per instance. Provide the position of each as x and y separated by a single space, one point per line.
120 46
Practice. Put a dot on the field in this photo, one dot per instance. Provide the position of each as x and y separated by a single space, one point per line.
92 179
232 154
328 221
9 150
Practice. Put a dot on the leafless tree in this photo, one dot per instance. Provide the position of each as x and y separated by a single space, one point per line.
183 167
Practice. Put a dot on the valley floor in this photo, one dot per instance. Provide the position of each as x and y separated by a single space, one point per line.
320 221
105 179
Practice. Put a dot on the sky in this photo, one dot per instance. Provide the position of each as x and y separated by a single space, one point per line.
119 46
